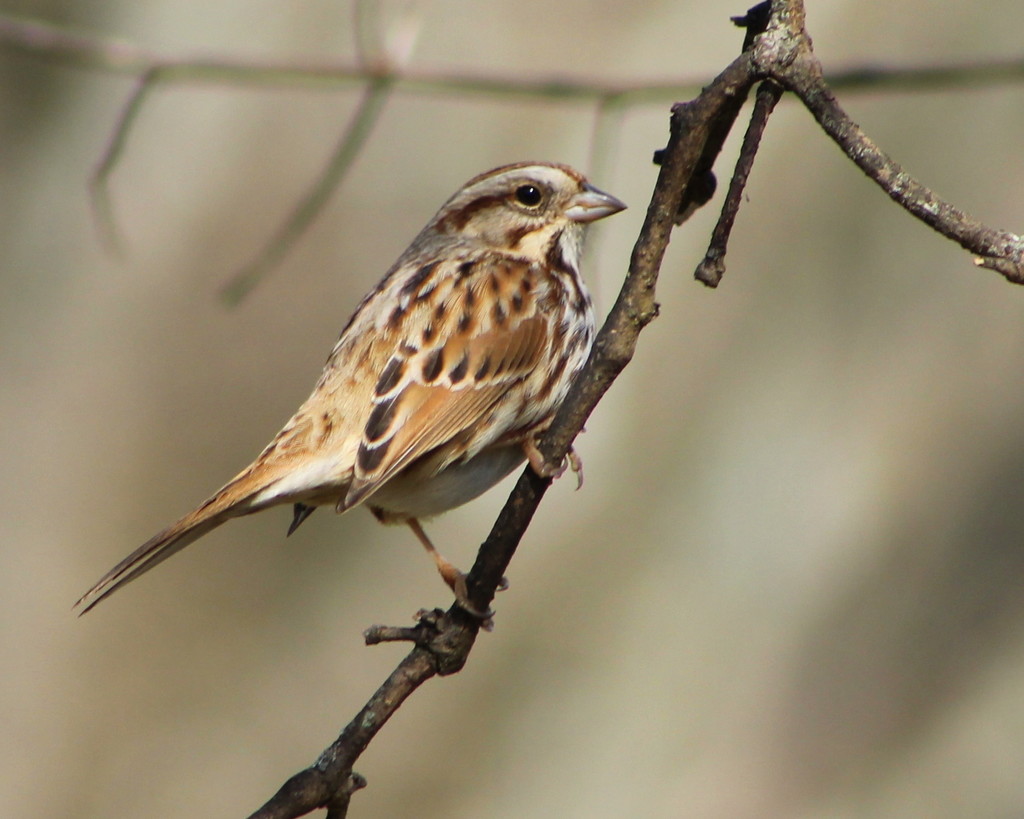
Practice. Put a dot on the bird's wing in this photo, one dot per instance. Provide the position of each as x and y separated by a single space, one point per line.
470 335
437 370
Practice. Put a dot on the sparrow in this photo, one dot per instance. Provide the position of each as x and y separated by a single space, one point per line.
441 380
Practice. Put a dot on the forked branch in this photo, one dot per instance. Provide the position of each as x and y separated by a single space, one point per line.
785 55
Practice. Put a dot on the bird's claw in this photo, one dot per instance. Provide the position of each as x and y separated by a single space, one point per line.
546 469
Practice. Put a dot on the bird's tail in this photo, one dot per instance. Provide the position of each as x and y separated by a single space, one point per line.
223 505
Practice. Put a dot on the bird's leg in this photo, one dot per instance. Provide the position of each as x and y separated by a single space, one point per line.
548 470
451 575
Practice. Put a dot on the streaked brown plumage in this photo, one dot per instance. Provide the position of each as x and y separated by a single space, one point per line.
443 377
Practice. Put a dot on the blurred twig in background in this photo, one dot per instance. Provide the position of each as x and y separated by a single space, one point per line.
382 67
304 213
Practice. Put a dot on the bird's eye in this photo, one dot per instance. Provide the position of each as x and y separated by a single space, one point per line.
528 195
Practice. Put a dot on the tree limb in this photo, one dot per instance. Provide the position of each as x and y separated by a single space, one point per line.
712 266
348 147
53 42
786 55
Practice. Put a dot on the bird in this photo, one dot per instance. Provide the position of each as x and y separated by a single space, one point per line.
442 379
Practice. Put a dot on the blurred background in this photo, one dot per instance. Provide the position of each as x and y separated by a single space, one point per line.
792 585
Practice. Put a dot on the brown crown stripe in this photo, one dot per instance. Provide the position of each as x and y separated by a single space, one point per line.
514 166
458 219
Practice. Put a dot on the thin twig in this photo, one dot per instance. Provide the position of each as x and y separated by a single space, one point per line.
99 181
973 74
345 152
337 808
786 55
422 633
998 250
712 266
60 43
702 183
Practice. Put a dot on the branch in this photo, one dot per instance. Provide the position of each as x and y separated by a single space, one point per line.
99 188
305 212
62 44
712 267
785 54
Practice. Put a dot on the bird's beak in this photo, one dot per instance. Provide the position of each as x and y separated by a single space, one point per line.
592 204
